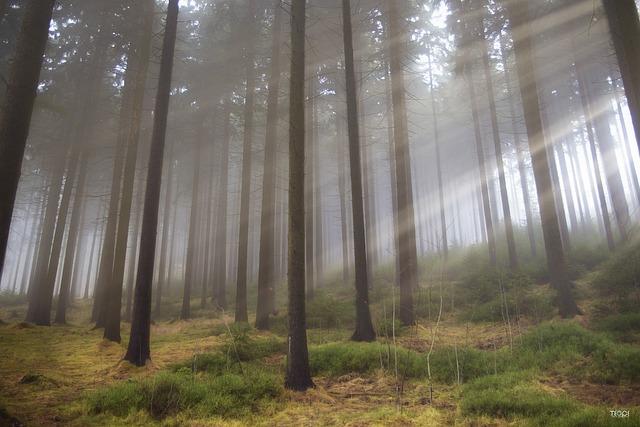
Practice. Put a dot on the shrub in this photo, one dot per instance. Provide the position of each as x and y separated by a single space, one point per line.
325 311
620 275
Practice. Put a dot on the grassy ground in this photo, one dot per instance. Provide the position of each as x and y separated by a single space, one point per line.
528 370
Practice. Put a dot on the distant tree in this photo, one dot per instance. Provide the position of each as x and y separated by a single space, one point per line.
298 373
138 350
266 267
15 117
247 153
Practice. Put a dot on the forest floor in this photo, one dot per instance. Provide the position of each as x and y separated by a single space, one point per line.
525 370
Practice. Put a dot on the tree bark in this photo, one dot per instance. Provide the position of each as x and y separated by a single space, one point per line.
266 277
518 14
220 268
298 373
407 255
624 26
190 276
15 118
132 102
364 327
138 351
247 153
497 145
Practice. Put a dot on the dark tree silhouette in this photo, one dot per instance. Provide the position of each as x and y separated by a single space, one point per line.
138 351
15 117
298 376
364 328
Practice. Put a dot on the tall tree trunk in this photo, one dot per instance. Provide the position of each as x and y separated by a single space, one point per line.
138 351
191 276
604 137
298 373
72 242
497 145
364 327
309 188
518 14
266 276
407 255
35 313
392 168
604 210
164 248
342 172
436 135
624 26
317 197
131 274
139 57
15 117
247 153
517 142
220 268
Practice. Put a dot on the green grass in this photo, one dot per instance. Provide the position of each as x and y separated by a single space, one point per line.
169 393
518 397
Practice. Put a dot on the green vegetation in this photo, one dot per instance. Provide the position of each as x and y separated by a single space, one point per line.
168 393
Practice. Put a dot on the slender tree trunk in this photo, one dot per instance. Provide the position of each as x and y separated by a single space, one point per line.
72 242
624 26
392 168
497 145
15 117
519 18
138 351
131 274
407 255
298 373
133 102
517 142
309 189
191 275
604 210
434 116
162 277
247 153
364 327
35 313
220 268
343 201
266 277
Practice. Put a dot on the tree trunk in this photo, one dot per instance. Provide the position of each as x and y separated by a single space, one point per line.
132 102
72 242
407 255
522 172
298 374
266 277
497 145
138 351
434 116
364 327
604 210
309 189
519 18
220 268
190 276
15 117
247 153
624 26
